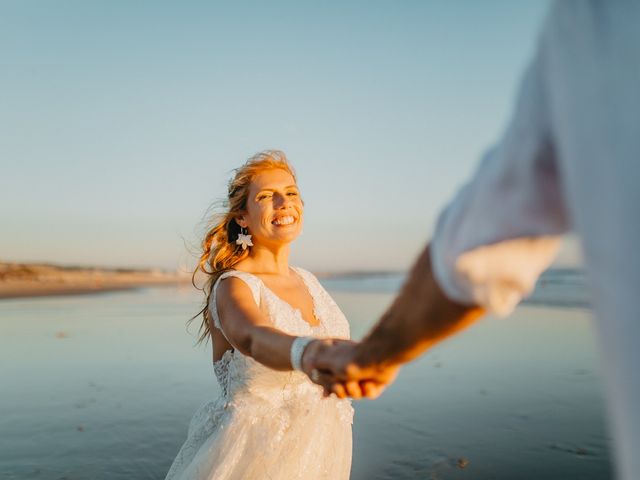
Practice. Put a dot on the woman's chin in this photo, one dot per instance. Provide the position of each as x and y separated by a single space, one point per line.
284 237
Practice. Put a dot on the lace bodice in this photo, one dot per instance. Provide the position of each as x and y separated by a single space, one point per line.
238 374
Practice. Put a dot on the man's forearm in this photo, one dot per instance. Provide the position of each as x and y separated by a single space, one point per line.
419 317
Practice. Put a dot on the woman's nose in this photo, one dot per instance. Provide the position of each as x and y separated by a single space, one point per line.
280 201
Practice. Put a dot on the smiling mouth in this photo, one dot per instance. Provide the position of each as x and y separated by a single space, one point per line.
283 221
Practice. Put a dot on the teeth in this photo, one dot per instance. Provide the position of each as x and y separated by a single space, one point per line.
284 220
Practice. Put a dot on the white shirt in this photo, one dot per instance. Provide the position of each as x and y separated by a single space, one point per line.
569 160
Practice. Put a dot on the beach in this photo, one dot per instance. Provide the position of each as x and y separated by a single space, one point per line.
103 387
35 280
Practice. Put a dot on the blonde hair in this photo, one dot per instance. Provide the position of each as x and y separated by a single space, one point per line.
219 250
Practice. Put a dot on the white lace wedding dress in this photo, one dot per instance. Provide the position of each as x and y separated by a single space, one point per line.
268 424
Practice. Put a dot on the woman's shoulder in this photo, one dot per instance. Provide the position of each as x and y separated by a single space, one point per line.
240 277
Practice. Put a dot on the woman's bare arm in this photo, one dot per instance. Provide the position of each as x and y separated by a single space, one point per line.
248 329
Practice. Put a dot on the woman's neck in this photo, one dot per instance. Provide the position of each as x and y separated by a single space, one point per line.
267 260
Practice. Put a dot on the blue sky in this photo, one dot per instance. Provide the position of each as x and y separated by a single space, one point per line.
121 120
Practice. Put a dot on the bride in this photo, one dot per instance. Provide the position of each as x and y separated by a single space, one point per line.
270 421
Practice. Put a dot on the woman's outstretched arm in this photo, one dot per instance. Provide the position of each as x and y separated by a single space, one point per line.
249 330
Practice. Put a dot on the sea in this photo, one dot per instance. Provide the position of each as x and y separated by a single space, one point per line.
103 386
559 287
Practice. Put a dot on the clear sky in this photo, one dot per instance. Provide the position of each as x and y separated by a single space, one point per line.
120 121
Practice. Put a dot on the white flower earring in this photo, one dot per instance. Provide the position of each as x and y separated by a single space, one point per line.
244 239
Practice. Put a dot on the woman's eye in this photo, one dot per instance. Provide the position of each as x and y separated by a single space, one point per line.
293 194
262 197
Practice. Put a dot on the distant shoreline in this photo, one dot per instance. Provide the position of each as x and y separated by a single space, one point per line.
354 274
24 280
20 280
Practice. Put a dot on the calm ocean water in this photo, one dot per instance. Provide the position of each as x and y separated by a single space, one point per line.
563 287
103 387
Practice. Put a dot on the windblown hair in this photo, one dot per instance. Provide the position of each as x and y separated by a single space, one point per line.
219 250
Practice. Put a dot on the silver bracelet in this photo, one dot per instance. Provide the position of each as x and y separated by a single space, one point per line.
297 350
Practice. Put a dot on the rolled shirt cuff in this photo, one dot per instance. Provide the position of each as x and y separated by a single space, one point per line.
495 277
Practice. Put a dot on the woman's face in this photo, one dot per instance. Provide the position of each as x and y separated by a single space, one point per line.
274 208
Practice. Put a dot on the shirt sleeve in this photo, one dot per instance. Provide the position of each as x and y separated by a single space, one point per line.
503 227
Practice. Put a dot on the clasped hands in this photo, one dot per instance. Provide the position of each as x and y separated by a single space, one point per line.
339 367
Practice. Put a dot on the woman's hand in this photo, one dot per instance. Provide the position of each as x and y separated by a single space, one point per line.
331 364
317 349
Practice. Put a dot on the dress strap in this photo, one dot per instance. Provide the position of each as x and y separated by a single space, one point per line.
310 280
251 280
